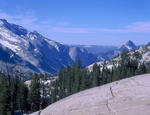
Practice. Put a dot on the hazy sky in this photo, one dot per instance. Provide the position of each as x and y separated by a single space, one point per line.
100 22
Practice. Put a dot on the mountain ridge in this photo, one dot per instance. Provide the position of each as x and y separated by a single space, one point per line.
42 53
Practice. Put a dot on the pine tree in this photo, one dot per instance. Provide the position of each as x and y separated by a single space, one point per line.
115 74
148 69
4 103
44 99
22 96
76 86
53 96
137 55
142 69
34 93
55 93
84 79
96 75
63 86
124 58
77 77
13 93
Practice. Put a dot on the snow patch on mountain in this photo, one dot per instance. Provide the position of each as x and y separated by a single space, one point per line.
54 44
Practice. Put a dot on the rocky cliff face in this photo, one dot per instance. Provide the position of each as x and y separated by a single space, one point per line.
125 97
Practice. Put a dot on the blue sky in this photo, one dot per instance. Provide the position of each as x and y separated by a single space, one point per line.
99 22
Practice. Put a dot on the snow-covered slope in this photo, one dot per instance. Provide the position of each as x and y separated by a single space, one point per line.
125 97
41 53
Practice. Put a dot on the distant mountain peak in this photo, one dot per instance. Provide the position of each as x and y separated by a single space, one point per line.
35 32
128 45
2 22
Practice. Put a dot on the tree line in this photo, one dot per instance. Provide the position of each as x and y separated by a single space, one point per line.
13 94
77 78
16 95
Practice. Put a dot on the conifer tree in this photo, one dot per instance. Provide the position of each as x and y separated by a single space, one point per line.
22 96
96 75
53 96
44 98
4 102
54 92
76 86
124 58
137 55
142 69
34 93
13 93
77 76
84 79
115 74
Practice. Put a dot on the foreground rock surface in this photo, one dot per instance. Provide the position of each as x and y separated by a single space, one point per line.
125 97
